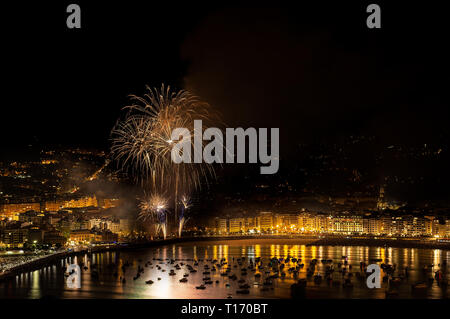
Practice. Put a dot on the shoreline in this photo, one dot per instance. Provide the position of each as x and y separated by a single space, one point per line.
306 240
393 243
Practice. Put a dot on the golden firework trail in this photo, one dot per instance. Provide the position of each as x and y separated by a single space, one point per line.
154 209
185 204
142 141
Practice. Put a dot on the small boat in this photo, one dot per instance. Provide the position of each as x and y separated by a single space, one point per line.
391 293
243 291
347 284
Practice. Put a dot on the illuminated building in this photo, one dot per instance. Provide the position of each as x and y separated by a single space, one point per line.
113 226
372 226
54 238
88 201
79 224
18 237
399 225
413 226
307 222
285 221
31 217
95 222
221 225
323 223
265 221
237 225
53 206
447 227
84 236
14 238
13 209
124 226
250 224
429 225
439 230
347 224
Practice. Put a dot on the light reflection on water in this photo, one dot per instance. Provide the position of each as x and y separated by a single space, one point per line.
50 281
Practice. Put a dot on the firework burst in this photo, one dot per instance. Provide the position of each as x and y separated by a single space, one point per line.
185 204
142 141
154 209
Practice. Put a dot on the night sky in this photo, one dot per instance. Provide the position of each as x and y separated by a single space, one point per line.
316 72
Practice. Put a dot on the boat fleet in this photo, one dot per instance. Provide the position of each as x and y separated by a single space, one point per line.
262 274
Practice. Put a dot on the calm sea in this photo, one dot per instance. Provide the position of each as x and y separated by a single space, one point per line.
51 282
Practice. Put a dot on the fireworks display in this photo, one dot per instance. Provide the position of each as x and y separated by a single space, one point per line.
142 141
154 209
185 204
142 144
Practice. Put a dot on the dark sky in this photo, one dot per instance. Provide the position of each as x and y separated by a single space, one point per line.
316 72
